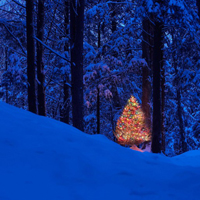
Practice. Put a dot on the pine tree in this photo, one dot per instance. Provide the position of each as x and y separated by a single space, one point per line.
131 127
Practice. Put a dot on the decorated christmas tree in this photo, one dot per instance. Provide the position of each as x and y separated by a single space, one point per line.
131 128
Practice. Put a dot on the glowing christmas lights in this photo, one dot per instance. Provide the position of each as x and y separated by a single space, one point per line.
131 128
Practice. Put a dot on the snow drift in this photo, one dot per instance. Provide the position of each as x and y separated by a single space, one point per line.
44 159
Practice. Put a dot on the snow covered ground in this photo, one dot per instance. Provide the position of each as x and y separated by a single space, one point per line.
43 159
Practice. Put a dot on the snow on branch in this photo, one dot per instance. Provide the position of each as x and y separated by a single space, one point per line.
53 51
13 13
115 2
15 38
3 4
19 4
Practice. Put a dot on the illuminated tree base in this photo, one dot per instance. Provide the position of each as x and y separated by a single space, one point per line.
134 147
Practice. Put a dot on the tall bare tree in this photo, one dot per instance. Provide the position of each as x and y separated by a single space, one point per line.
147 54
40 64
76 36
64 115
157 61
30 56
198 6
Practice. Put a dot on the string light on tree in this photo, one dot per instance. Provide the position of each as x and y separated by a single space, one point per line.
131 128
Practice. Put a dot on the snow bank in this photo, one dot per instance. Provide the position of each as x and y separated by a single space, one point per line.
43 159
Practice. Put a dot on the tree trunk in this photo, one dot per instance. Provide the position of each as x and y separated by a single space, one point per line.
163 107
198 6
179 111
146 70
99 34
76 35
6 66
157 61
116 98
112 118
98 97
40 64
98 111
30 57
113 15
180 114
64 116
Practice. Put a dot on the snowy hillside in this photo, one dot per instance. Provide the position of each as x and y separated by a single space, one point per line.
43 159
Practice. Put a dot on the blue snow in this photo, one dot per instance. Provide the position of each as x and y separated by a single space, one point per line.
44 159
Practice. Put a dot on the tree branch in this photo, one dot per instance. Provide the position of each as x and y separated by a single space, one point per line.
53 51
15 39
19 4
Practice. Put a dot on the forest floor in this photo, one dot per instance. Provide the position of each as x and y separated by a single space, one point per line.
44 159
